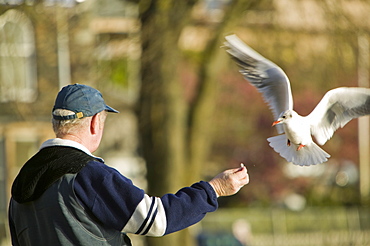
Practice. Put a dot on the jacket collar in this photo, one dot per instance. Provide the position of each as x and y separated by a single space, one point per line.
67 143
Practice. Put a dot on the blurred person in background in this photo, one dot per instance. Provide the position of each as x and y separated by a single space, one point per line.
64 195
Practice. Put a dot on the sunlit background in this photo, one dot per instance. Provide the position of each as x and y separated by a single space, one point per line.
186 112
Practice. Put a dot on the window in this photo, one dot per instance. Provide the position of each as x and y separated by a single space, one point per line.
17 58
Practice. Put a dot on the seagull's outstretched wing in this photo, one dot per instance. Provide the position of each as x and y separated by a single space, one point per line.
336 109
266 76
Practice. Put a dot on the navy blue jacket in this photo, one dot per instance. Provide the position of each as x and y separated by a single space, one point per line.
114 202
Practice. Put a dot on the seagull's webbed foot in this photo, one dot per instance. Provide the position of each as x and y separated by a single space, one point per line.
300 146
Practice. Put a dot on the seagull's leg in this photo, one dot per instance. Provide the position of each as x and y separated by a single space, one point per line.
288 142
300 146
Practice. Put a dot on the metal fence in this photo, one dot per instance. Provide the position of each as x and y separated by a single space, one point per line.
333 238
320 226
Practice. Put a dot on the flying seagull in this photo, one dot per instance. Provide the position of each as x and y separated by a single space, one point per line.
295 144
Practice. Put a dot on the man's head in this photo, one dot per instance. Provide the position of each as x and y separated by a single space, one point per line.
79 112
83 100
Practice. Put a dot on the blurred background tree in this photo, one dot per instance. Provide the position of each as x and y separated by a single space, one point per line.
196 114
176 131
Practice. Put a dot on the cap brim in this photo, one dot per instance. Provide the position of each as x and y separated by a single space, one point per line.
110 109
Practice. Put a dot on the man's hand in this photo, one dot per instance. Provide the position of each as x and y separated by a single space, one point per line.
230 181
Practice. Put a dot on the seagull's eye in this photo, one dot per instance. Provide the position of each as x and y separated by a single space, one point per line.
283 117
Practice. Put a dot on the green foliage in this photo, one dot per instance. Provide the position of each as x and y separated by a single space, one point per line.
115 71
119 72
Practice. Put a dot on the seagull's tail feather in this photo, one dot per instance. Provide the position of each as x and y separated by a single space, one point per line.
311 154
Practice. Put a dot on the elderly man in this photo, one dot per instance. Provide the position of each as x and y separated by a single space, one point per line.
64 195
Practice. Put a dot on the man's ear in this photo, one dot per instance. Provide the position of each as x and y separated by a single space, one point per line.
95 124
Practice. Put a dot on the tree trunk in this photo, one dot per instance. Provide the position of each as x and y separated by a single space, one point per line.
175 140
162 109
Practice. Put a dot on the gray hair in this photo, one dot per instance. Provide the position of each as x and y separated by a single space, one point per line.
64 127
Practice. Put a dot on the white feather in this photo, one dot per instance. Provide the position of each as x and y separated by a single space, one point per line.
311 154
335 110
266 76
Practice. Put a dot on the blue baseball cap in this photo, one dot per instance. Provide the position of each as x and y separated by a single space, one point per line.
84 100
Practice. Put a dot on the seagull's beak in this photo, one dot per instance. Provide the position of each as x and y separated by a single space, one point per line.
276 122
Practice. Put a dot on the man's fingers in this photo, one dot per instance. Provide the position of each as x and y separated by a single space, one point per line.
241 176
241 172
245 180
241 168
230 181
